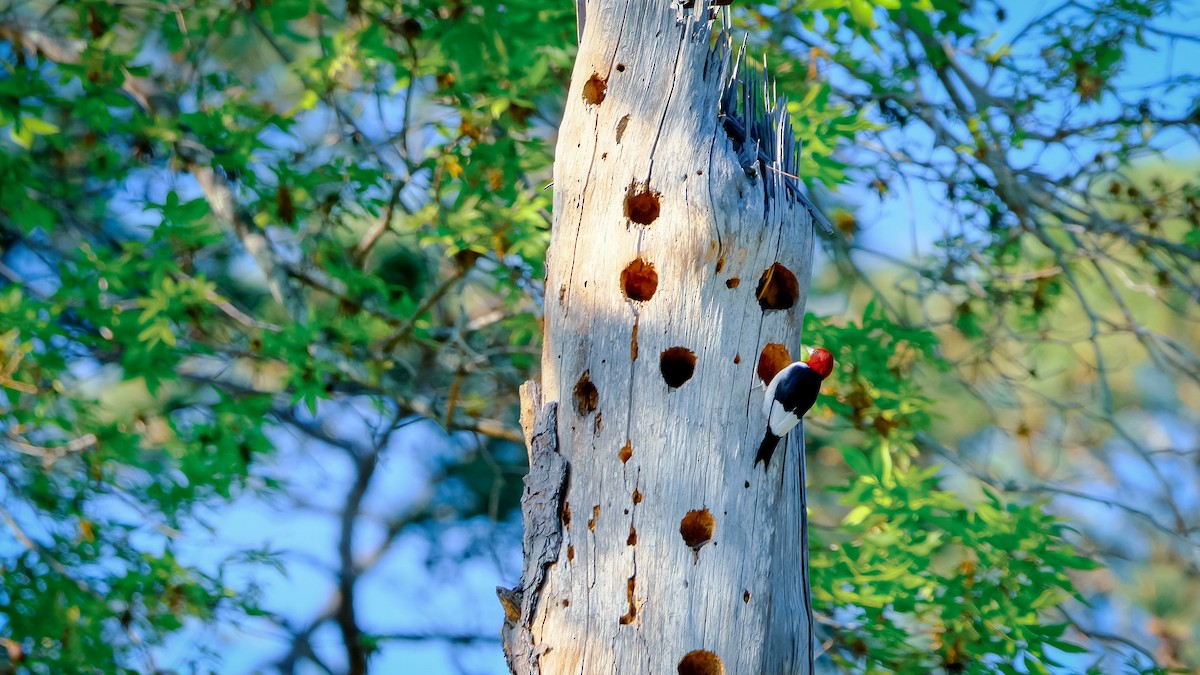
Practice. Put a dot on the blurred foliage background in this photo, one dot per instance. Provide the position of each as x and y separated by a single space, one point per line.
270 277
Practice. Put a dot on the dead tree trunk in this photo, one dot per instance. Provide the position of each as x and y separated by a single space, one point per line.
676 281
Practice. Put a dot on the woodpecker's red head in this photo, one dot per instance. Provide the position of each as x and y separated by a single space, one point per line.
821 361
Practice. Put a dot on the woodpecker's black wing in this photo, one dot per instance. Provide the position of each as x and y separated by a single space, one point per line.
794 395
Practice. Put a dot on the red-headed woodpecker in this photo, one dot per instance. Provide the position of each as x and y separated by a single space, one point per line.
791 393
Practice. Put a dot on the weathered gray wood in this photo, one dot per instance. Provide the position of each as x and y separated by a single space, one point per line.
626 593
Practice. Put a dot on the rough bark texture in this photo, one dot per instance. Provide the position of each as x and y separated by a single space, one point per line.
541 508
666 550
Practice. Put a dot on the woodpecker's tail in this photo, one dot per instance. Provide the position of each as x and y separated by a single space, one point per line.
766 449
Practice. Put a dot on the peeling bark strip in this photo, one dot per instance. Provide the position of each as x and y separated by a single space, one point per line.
669 189
541 510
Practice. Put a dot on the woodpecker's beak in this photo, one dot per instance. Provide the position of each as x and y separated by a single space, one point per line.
805 353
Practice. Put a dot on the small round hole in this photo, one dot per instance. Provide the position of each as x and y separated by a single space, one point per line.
697 528
733 282
778 288
639 280
745 596
595 89
620 67
626 452
701 662
677 364
587 397
631 540
641 205
774 358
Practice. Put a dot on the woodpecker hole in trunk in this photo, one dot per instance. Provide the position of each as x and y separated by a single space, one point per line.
595 89
642 204
697 528
774 358
587 397
777 288
639 280
733 282
595 515
677 364
626 452
632 539
701 662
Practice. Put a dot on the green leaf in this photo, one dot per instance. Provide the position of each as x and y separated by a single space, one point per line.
22 136
1068 647
39 126
308 101
1051 597
857 515
856 460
